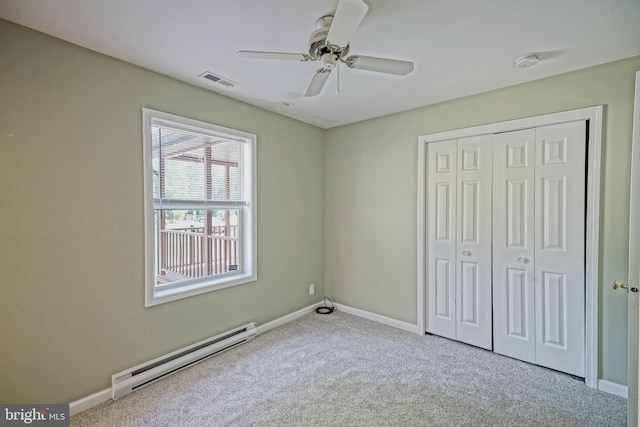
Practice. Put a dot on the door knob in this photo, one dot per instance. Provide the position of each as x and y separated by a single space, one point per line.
523 260
620 285
466 253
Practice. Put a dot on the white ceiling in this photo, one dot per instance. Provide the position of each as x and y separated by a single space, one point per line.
459 47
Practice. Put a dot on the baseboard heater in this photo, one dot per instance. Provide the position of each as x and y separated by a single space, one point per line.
144 374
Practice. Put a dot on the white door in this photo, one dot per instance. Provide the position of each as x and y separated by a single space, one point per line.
441 231
559 246
473 251
529 188
459 234
513 244
538 245
633 404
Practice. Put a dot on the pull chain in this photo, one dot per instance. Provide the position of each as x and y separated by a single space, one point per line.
338 77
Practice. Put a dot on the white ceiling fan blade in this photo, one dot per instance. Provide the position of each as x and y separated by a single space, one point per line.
380 65
317 82
273 55
346 20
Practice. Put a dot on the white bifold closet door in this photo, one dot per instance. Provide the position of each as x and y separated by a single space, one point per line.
513 244
459 226
441 224
538 245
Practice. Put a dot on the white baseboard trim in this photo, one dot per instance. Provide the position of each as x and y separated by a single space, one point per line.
613 388
380 319
287 318
89 401
102 396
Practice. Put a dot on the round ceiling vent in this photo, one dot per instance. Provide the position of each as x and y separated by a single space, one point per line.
527 61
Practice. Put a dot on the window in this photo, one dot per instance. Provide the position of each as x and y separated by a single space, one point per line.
200 215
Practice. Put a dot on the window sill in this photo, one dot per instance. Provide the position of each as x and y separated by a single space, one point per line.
155 296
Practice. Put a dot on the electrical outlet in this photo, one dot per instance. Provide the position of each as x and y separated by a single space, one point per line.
312 289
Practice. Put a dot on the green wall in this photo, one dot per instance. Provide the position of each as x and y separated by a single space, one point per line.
371 194
71 229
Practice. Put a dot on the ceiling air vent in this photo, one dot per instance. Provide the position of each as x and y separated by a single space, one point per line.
218 79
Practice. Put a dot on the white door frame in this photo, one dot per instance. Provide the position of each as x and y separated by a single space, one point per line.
592 238
633 404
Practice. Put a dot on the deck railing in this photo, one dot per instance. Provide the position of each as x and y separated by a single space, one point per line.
186 253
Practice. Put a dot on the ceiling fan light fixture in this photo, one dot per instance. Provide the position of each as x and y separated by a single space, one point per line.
329 61
527 61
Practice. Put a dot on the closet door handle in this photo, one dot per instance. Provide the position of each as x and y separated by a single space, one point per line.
466 253
523 260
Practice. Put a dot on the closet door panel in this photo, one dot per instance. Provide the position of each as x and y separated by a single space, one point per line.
518 303
469 289
441 251
559 252
473 251
513 248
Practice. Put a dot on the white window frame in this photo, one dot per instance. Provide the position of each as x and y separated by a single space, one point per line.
247 245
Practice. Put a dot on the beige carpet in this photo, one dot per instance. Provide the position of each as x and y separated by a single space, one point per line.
341 370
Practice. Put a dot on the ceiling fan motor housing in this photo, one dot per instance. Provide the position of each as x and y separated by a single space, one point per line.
318 45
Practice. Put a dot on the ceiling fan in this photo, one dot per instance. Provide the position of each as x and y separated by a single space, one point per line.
330 45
